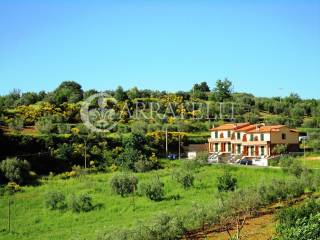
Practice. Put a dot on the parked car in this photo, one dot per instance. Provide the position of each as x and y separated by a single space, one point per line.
172 156
245 161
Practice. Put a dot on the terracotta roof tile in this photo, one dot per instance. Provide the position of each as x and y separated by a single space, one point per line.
274 128
230 126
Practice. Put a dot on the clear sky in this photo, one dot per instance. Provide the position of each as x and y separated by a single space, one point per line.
268 48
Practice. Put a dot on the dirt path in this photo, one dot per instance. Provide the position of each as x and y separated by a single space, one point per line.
260 227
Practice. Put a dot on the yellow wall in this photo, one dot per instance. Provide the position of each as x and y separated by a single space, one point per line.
291 137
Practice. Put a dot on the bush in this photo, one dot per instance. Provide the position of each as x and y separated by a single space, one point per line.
82 203
185 178
15 170
292 166
55 201
154 189
166 227
162 227
16 124
129 157
300 222
226 182
123 184
143 165
281 190
45 125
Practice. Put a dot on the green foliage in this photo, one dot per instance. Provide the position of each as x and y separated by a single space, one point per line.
81 203
16 124
185 178
55 200
68 91
162 227
226 182
120 94
45 125
129 157
153 189
222 91
15 170
292 166
280 149
123 184
300 222
166 227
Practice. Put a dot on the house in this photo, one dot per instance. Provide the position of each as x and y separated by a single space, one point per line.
251 140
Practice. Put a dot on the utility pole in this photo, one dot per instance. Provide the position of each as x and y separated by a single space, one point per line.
166 141
85 154
179 145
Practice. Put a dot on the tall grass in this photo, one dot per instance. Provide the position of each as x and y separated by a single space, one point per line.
30 219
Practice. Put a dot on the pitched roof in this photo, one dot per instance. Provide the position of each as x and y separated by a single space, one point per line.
274 128
230 126
246 128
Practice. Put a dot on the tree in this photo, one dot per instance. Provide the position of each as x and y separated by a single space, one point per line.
202 87
15 170
120 94
279 149
293 98
153 189
123 184
28 98
226 182
68 91
223 90
133 93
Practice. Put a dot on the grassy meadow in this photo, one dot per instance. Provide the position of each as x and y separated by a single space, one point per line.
30 219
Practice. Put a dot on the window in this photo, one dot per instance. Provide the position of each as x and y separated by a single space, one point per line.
251 137
229 147
216 147
215 134
262 137
239 148
229 134
238 136
251 150
262 150
284 136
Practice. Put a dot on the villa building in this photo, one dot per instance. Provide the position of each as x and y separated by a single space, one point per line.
251 140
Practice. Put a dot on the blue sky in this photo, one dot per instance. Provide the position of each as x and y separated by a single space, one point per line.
268 48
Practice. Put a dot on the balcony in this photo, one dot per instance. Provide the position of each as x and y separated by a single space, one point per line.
218 140
254 143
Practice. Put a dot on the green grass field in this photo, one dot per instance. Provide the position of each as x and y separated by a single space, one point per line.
31 220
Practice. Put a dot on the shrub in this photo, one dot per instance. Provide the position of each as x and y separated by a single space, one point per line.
185 178
162 227
16 124
45 125
55 201
154 189
82 203
226 182
15 170
123 184
202 158
300 222
12 187
143 165
292 166
129 157
166 227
